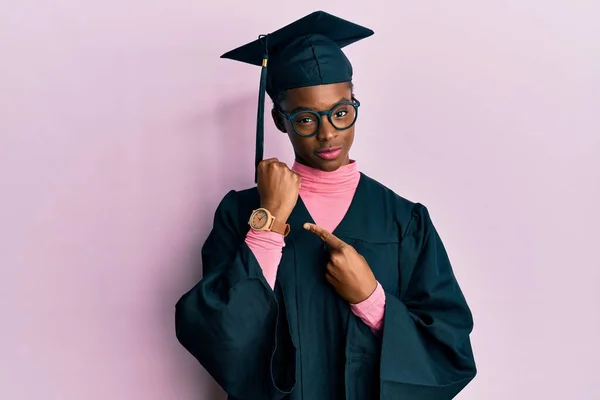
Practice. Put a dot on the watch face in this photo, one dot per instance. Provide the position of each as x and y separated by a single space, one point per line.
259 219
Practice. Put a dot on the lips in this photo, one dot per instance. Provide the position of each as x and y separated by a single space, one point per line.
328 149
329 153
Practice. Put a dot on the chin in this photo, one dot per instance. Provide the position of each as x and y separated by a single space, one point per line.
329 166
316 162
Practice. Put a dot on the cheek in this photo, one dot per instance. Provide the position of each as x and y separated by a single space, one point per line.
297 142
301 145
349 139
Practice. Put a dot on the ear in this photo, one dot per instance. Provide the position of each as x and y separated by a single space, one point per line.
278 119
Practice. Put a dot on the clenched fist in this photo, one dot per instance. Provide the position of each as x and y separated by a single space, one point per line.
278 187
347 271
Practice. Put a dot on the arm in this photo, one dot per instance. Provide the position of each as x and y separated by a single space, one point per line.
232 322
266 247
372 310
426 351
278 188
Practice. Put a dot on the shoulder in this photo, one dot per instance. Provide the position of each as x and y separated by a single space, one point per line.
236 206
237 197
407 213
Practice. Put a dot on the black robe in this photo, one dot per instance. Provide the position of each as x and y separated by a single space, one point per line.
301 341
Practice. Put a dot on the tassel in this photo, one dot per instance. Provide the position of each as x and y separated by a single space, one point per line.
260 123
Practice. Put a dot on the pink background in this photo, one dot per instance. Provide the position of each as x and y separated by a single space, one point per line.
121 129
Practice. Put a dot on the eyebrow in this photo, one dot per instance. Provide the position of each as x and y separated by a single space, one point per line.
302 108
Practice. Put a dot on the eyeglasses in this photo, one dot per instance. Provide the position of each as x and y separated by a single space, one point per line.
307 123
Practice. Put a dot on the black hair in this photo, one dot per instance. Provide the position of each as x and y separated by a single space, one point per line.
280 96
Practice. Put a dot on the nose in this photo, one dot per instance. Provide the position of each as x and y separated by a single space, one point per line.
326 131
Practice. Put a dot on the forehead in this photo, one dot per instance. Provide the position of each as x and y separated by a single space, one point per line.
320 97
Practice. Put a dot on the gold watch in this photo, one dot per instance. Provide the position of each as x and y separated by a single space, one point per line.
262 220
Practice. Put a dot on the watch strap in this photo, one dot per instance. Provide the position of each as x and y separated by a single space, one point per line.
280 227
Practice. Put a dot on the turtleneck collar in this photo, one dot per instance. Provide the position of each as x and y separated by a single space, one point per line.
343 179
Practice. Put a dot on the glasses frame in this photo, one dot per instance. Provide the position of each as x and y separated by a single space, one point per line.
319 114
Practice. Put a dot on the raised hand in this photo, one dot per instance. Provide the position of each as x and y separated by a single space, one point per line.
278 187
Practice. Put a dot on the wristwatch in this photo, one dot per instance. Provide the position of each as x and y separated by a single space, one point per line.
262 220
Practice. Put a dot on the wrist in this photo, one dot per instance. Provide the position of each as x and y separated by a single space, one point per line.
262 219
367 292
278 212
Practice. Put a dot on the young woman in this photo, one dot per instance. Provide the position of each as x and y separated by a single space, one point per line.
321 283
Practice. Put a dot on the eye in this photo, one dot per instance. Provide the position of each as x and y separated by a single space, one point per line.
305 120
340 113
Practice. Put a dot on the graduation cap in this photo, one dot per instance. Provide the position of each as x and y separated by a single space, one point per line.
307 52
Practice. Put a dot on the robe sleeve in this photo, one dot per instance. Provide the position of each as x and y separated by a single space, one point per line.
232 322
426 351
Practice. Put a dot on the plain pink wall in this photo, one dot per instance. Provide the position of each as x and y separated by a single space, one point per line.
121 129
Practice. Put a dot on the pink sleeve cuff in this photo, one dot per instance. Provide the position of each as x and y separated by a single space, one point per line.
266 247
372 309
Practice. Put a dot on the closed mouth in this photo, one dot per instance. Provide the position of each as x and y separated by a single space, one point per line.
328 150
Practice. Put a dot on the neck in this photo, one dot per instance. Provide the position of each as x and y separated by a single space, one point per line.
314 180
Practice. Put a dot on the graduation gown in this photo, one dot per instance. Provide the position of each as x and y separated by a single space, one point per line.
301 341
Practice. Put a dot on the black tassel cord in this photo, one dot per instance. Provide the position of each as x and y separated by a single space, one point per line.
260 123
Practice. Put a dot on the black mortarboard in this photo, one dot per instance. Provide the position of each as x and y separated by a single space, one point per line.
307 52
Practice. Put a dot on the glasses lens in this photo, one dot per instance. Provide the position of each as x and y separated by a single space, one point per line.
343 116
306 123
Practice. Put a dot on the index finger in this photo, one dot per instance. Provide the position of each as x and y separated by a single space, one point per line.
332 241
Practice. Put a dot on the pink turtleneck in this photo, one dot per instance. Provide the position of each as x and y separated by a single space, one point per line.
327 197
